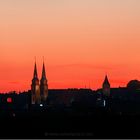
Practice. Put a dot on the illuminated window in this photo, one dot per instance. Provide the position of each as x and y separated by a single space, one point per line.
9 100
104 103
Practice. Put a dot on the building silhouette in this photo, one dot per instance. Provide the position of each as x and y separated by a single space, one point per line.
106 87
39 90
43 85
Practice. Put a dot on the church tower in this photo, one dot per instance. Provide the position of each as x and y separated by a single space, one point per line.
106 87
43 85
35 89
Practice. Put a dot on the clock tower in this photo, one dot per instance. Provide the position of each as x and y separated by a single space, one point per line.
35 88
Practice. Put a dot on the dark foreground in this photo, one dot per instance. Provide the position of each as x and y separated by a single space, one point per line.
40 124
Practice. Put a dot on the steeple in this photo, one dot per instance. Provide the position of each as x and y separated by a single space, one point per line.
35 88
106 87
106 81
43 72
43 84
35 76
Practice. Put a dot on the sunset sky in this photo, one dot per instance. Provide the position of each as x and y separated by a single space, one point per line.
81 41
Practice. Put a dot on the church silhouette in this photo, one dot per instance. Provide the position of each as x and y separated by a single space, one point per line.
39 89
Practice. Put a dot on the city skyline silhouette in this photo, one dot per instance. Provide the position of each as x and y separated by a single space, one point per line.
86 86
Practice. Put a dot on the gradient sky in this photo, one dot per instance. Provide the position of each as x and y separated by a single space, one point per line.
81 41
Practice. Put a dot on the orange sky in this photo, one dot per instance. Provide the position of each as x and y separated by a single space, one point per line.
81 41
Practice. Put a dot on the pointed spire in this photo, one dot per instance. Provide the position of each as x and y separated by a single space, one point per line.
43 71
35 71
106 81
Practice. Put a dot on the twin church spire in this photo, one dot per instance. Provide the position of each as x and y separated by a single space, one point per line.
39 90
35 72
43 72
